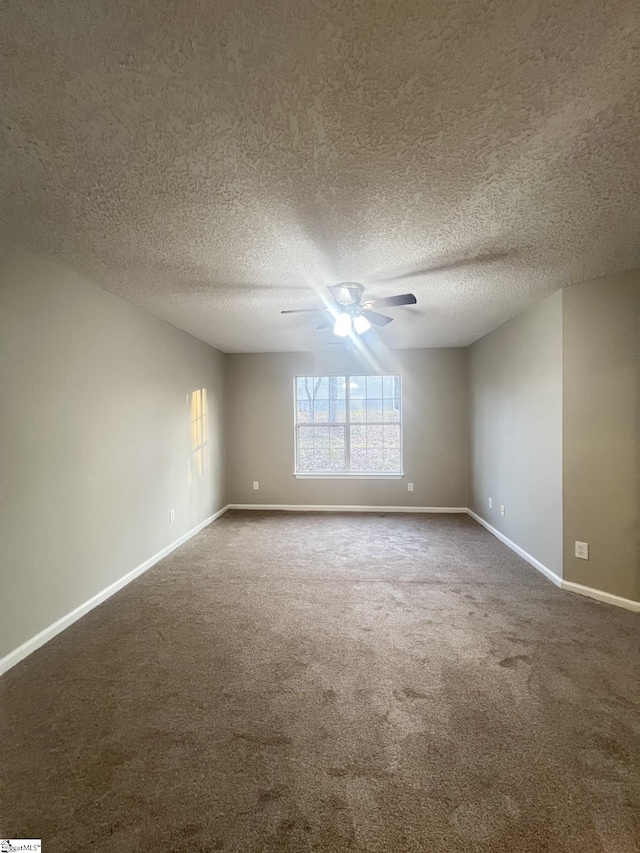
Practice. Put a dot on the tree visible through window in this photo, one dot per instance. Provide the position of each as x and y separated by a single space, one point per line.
348 425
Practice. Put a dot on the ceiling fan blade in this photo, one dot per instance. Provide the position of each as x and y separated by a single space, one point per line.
326 325
376 319
393 301
301 310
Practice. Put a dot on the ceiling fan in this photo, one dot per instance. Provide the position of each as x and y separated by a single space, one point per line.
353 313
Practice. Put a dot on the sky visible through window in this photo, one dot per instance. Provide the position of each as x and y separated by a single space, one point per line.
348 424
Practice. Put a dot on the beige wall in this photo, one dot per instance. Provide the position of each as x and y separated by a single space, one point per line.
95 435
260 435
601 322
95 440
516 430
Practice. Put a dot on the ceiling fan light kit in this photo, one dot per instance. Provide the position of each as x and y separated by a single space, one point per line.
354 315
361 324
343 325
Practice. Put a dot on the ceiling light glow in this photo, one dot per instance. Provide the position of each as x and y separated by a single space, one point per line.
343 325
361 324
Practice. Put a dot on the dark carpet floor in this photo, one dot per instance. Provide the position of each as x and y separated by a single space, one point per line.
316 682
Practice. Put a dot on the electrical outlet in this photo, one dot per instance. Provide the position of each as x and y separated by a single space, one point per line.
501 509
490 503
582 550
172 515
410 487
256 485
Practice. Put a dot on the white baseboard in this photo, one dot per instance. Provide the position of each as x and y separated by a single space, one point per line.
327 508
553 577
589 592
43 637
599 595
57 627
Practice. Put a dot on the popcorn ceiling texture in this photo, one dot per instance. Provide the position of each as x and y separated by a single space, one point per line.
215 162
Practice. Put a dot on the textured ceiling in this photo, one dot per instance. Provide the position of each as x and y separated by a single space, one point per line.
215 162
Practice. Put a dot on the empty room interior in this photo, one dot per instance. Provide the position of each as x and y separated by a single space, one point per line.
320 434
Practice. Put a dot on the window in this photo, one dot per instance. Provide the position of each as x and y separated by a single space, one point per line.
348 425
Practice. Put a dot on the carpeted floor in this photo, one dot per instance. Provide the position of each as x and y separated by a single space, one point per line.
316 682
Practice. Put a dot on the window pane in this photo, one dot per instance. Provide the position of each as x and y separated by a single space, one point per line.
375 458
374 386
321 387
321 444
358 387
391 435
358 411
390 413
305 399
305 436
374 411
305 460
388 387
375 436
392 459
358 436
358 460
321 459
321 411
336 411
337 388
304 412
396 399
305 449
307 388
337 460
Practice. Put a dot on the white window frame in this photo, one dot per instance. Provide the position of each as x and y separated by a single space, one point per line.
345 475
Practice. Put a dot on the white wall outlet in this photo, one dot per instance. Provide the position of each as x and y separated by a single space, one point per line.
490 503
501 509
172 515
410 487
256 485
582 550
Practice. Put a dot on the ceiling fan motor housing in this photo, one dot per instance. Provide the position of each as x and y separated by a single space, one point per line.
347 293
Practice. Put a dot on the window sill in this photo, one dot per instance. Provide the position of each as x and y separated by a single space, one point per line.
330 476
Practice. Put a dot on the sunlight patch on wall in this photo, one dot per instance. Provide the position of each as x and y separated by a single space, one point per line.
199 456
